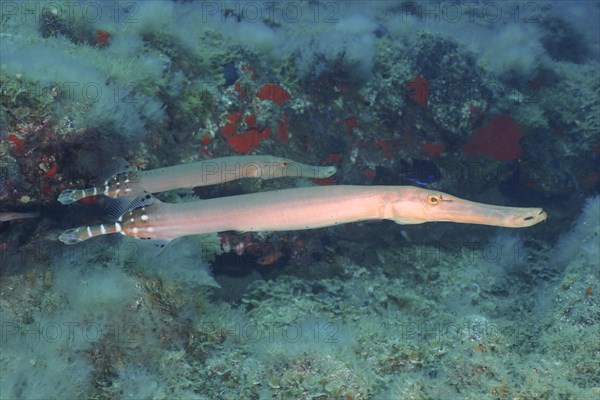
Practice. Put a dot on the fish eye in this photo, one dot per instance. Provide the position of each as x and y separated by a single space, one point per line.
433 199
284 163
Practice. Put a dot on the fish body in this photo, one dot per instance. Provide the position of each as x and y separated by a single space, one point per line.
305 208
11 215
201 173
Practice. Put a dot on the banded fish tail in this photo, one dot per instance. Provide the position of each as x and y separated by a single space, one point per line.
117 186
121 182
133 213
76 235
72 195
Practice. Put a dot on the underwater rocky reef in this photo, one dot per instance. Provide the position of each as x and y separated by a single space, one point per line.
491 102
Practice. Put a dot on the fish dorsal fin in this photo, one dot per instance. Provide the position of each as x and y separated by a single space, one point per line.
123 205
121 180
118 166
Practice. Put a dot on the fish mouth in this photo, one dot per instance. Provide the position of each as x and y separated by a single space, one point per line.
326 172
317 172
541 216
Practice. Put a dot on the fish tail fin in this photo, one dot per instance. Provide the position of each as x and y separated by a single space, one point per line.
76 235
72 195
